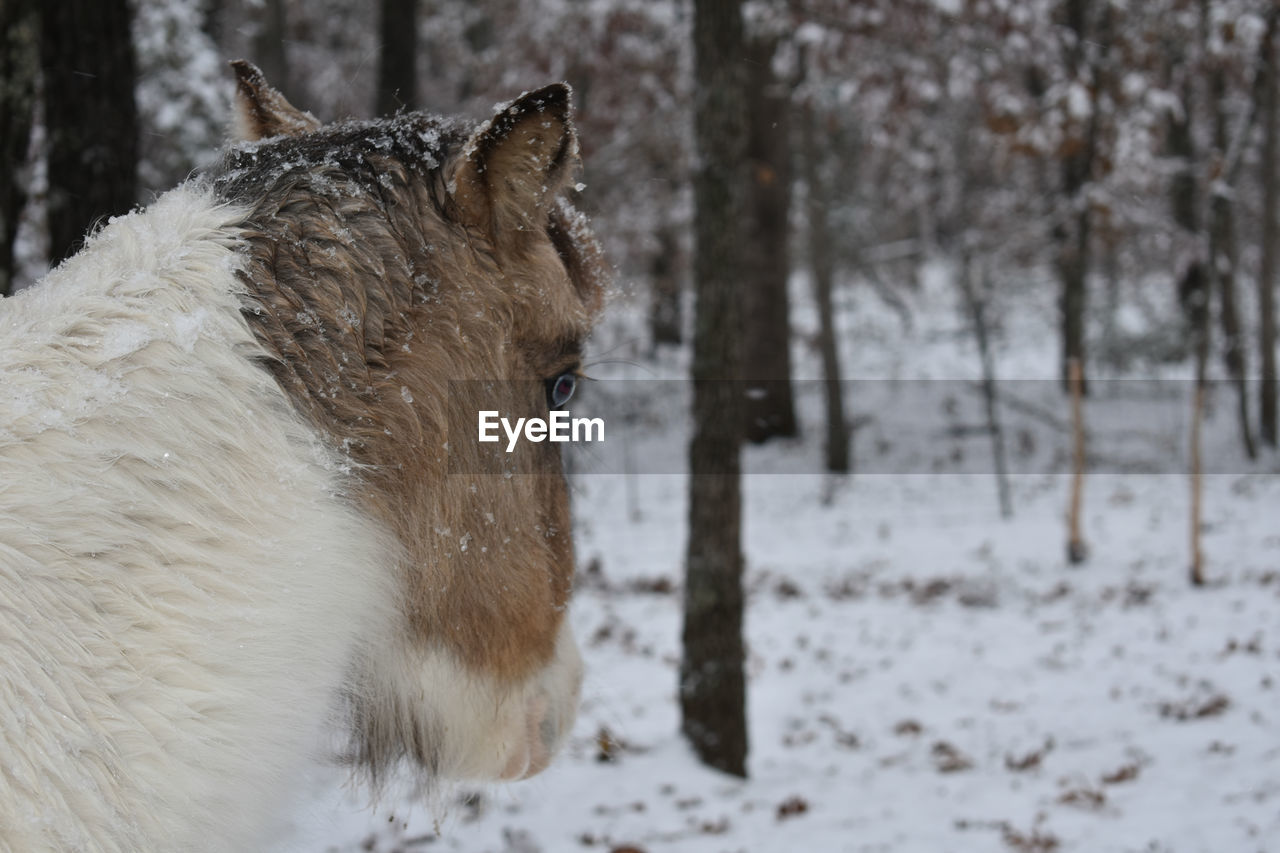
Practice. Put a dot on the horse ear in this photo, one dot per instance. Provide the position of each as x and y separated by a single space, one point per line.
515 164
262 111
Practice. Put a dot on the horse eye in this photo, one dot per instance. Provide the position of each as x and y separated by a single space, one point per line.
560 389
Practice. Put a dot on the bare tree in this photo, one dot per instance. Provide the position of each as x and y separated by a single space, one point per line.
1185 201
1268 92
1197 485
87 61
770 409
397 72
666 315
712 680
1203 205
1224 177
19 62
1077 550
1193 290
269 51
1073 233
822 270
976 297
1222 256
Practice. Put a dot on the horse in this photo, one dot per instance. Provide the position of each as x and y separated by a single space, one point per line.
233 517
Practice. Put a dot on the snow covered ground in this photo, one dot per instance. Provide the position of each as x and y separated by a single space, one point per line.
924 676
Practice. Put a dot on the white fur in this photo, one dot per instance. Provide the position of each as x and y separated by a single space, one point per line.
181 583
481 728
184 590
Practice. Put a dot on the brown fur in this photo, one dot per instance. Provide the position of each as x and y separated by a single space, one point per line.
261 111
378 291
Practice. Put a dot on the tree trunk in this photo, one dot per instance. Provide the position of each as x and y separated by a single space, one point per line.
86 56
770 409
822 267
1193 293
1222 265
1197 487
1267 409
1111 346
19 61
269 50
1222 262
1077 551
397 73
975 298
1072 235
666 315
1073 265
712 679
212 17
1200 334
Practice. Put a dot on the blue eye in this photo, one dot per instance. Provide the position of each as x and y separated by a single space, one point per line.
560 389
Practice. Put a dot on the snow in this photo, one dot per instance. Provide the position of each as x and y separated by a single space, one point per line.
897 628
1079 106
923 675
182 93
122 339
